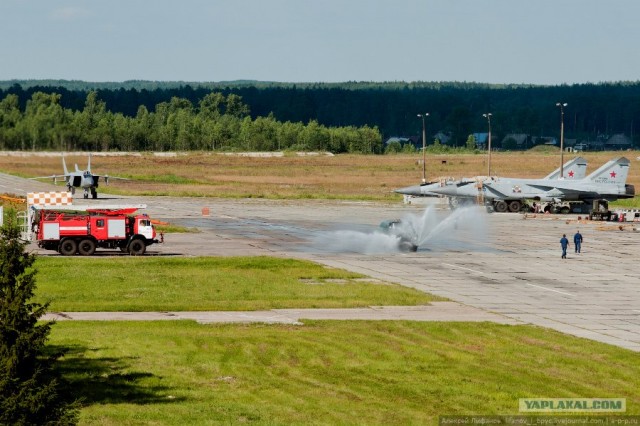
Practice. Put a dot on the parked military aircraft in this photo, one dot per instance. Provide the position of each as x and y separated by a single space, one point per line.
574 169
80 179
426 189
606 183
467 193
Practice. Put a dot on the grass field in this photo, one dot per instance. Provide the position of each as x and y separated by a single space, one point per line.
324 372
205 283
330 372
360 177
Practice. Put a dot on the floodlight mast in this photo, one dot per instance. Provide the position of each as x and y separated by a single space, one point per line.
561 105
488 117
424 147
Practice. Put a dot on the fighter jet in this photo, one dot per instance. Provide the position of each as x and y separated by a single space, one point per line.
606 183
574 169
80 179
426 189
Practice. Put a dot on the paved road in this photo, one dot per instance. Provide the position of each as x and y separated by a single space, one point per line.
499 263
436 311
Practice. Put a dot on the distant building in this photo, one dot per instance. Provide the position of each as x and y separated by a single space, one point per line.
521 141
443 137
545 140
597 145
618 142
481 140
582 146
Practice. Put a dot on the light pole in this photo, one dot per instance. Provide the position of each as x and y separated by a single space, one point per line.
424 147
488 117
561 105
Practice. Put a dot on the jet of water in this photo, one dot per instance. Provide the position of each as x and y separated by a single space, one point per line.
428 230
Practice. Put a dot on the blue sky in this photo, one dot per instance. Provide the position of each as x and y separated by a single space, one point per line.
491 41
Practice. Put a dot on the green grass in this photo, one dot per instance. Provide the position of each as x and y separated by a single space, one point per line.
205 283
168 178
329 372
384 196
629 203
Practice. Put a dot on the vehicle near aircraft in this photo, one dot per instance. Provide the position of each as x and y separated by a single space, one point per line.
467 190
510 194
407 236
84 179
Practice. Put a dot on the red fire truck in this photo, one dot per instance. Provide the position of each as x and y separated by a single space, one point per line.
71 231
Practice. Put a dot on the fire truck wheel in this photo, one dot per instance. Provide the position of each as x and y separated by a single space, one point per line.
137 247
68 247
87 247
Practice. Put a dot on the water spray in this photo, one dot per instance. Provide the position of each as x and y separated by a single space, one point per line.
461 228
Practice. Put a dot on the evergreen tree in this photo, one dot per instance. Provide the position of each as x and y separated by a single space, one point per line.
30 390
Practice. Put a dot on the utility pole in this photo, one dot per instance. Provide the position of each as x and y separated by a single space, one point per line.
424 147
561 105
488 117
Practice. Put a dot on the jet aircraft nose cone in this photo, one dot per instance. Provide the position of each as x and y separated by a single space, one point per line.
449 190
409 190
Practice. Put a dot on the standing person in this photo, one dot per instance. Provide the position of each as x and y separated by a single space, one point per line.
564 243
577 241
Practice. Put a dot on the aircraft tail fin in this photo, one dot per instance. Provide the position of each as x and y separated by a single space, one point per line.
613 172
64 166
574 169
89 163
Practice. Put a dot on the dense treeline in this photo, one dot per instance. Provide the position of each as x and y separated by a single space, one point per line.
456 108
217 122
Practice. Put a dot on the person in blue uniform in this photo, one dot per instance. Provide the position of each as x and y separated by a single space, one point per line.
564 243
577 241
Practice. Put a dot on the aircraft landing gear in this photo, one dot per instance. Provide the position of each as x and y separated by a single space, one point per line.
94 193
86 194
515 206
500 206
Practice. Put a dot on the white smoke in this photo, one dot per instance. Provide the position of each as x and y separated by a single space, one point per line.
375 242
463 228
